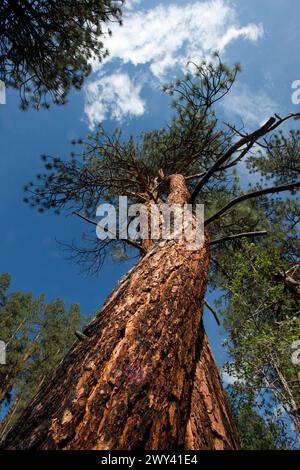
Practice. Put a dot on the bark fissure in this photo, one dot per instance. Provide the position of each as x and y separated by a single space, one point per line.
210 425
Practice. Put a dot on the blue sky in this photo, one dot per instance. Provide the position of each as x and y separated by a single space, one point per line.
154 45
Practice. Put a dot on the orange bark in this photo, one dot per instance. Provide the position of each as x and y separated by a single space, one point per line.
210 425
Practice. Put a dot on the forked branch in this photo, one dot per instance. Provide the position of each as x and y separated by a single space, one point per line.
248 140
254 194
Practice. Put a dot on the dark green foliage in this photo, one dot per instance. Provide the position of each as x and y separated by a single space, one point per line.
46 46
4 285
280 159
261 318
37 336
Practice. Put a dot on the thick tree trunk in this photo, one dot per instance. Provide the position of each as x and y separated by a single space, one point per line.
144 377
130 384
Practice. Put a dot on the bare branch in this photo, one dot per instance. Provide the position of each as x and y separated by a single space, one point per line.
212 311
237 236
244 197
83 217
197 175
248 140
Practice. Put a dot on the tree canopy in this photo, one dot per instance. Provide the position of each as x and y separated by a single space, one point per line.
195 143
46 46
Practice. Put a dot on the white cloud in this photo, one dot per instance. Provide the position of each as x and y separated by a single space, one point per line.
115 95
230 379
253 108
130 4
167 36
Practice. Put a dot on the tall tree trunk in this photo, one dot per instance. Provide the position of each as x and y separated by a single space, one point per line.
144 377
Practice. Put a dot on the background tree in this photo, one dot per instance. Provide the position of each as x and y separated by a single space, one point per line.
257 432
144 375
262 291
263 322
4 285
46 46
37 337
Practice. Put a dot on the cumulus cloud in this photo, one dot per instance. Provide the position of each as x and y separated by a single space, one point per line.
167 36
253 108
115 95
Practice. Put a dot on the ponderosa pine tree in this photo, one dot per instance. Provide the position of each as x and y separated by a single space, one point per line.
45 46
5 281
143 375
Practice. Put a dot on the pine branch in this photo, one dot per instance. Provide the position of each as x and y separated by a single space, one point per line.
248 140
222 168
237 236
128 241
214 260
245 197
